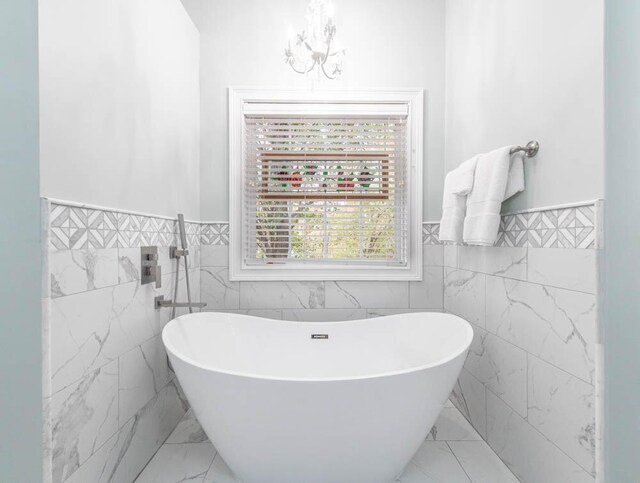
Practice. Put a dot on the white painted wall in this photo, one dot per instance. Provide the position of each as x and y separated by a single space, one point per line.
529 69
119 104
388 46
119 90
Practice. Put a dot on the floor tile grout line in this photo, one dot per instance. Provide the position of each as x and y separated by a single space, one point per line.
212 462
469 418
459 463
480 438
182 443
492 451
148 463
486 416
159 447
475 431
215 455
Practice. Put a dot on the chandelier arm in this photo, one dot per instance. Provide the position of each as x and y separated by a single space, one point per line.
315 62
296 70
326 55
303 71
325 72
311 68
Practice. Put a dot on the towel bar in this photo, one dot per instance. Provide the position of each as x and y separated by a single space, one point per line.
530 150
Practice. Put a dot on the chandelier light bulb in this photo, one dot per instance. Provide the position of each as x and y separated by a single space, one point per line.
331 10
291 34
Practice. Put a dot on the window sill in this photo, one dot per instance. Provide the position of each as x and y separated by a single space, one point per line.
334 273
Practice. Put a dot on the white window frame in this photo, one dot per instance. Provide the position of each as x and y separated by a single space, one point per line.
244 100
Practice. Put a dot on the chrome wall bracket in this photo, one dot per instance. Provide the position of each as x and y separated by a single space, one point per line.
175 252
530 150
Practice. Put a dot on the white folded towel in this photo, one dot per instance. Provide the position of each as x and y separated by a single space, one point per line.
457 185
498 176
461 178
515 180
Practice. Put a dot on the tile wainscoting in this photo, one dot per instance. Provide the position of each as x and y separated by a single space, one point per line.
110 399
527 386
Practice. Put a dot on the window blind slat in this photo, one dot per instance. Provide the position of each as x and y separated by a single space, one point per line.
329 189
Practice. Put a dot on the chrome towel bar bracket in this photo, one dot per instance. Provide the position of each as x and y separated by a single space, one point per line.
530 150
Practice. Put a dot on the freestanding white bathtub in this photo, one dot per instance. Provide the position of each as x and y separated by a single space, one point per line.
328 402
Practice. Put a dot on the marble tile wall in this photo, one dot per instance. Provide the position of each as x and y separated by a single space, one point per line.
110 398
528 383
318 300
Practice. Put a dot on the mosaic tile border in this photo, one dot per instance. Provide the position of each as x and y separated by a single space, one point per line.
214 233
571 227
561 228
431 233
75 227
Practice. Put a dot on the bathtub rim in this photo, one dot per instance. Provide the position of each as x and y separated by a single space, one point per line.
442 361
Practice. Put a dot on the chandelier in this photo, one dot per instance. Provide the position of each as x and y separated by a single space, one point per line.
316 48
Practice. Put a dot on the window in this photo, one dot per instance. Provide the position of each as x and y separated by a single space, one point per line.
325 186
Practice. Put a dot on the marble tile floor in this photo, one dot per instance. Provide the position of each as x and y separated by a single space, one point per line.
452 453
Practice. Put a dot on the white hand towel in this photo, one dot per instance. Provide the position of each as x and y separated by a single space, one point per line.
462 177
457 184
515 180
497 177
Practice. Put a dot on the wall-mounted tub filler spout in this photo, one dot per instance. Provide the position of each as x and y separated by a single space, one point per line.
160 302
179 253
